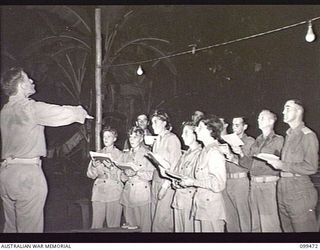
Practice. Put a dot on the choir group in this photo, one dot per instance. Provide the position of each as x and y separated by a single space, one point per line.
217 184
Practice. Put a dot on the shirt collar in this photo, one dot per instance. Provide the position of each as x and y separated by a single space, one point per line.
244 136
295 130
15 98
213 144
196 148
164 134
269 136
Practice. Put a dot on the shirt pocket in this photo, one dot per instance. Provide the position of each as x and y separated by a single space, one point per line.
209 206
140 193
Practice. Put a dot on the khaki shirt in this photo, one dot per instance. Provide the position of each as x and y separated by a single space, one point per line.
186 165
234 168
137 190
210 176
272 144
23 121
168 147
300 151
108 186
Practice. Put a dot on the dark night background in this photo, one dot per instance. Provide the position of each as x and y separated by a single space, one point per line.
232 80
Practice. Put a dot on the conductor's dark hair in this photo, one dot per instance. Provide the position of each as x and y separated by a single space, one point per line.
10 80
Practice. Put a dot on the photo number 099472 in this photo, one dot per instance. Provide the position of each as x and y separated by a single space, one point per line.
309 245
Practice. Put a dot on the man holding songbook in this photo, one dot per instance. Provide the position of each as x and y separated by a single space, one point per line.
107 187
297 196
263 200
237 189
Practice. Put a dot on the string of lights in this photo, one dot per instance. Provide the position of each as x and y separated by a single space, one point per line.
310 37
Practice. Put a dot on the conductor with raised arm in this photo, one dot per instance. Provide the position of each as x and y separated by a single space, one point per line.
23 187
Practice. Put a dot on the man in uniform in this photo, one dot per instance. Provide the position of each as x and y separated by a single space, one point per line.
237 189
263 198
297 196
23 187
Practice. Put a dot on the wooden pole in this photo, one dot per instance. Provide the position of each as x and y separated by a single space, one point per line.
98 78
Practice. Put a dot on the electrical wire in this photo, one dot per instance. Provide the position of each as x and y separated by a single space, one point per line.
193 50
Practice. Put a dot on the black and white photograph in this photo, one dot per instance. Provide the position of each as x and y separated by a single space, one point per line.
160 123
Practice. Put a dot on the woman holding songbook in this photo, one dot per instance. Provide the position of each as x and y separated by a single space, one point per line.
168 147
183 197
136 195
210 179
107 187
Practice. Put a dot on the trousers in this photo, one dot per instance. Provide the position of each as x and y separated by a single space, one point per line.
264 207
183 222
106 211
237 205
139 216
162 220
297 199
202 226
23 190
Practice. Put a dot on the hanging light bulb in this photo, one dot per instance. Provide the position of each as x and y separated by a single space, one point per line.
139 71
310 37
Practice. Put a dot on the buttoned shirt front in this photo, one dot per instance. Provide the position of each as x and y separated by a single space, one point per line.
107 186
210 176
272 144
300 151
183 197
137 191
168 147
23 121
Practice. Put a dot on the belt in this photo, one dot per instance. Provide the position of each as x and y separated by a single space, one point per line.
287 174
236 175
264 178
9 161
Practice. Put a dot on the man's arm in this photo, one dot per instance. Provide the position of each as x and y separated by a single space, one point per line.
55 115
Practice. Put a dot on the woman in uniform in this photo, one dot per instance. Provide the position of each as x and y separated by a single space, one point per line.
210 179
183 197
168 147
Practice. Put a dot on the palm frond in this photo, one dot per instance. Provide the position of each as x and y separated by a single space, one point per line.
79 17
140 40
75 78
69 78
51 39
65 49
